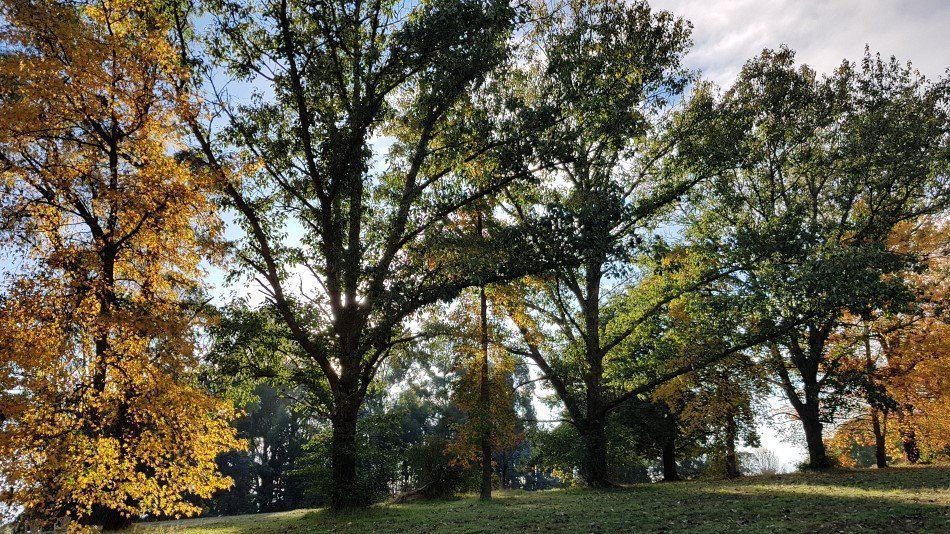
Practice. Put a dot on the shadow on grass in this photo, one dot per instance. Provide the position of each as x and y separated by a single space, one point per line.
899 500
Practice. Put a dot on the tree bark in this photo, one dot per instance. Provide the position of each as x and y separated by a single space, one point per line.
484 396
880 446
811 423
594 466
732 458
344 493
670 472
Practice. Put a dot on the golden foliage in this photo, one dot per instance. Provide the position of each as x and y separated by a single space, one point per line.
101 409
910 362
498 418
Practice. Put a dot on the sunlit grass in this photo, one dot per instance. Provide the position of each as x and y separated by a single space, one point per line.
894 500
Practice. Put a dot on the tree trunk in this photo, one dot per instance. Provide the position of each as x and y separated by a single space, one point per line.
506 471
880 447
670 473
732 458
594 467
911 450
484 396
344 493
108 518
817 454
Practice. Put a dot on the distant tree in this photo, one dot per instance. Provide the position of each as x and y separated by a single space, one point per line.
267 475
822 171
708 410
764 462
102 417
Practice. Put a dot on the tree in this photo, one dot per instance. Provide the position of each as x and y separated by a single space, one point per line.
901 359
707 410
375 236
606 72
822 170
483 390
102 416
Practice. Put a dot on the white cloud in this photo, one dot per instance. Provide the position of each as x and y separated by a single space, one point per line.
822 32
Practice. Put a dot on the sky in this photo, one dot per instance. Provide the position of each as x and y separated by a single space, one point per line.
822 32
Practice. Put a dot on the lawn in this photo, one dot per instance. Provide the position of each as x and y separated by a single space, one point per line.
892 500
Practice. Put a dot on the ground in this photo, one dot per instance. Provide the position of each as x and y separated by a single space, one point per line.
891 500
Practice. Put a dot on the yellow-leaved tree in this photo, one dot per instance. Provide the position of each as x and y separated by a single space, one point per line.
904 361
103 419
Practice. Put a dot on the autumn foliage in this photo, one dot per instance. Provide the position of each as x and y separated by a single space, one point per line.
102 417
906 362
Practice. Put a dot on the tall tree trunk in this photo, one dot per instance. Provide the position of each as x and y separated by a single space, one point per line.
670 473
732 458
506 471
594 467
344 493
484 396
880 449
880 446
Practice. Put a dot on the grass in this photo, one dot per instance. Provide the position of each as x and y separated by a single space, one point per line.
892 500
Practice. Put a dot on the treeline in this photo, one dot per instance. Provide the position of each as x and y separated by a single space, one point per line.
437 214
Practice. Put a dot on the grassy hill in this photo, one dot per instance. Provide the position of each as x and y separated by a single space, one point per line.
893 500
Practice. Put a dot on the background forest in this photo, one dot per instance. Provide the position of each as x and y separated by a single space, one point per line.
271 254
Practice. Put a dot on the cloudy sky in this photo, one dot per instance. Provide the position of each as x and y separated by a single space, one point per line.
822 32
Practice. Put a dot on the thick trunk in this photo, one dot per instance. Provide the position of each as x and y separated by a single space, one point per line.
880 447
817 454
732 458
670 473
911 450
344 493
594 467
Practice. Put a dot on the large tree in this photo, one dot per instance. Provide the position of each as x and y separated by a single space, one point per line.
368 132
610 74
101 419
823 168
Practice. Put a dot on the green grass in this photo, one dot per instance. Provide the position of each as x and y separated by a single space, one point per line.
892 500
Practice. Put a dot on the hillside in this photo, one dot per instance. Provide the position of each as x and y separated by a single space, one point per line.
895 500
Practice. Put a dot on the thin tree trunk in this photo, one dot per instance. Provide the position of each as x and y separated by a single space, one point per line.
506 471
880 449
880 446
732 458
484 394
